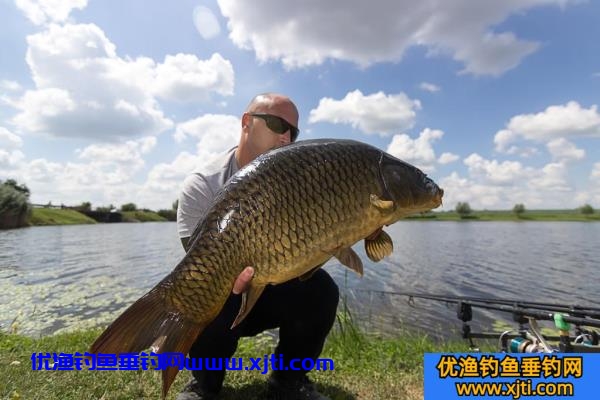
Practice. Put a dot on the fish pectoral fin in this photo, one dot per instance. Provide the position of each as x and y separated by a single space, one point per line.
349 258
249 298
307 275
382 205
380 246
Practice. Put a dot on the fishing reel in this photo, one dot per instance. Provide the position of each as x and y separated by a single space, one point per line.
519 344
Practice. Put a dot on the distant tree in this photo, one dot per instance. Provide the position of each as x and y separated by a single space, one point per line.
169 215
175 205
19 188
129 207
463 209
586 209
15 209
86 206
108 208
519 209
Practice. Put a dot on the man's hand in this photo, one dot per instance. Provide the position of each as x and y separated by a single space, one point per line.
243 280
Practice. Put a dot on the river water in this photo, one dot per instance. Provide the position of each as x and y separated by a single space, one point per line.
61 278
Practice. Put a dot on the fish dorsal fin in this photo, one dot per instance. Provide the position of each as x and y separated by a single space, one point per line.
382 205
380 246
349 258
249 298
307 275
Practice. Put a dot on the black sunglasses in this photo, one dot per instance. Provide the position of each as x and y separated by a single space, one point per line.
278 125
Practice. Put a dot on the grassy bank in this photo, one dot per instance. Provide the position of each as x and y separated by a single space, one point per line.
366 367
48 216
57 216
530 215
141 216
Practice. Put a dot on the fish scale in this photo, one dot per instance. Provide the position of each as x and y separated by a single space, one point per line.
284 214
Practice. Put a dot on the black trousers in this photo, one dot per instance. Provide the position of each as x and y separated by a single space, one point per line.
304 312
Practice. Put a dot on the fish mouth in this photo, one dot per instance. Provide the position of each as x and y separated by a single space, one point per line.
438 197
435 192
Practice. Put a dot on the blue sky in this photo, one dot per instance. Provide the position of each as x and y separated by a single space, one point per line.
116 101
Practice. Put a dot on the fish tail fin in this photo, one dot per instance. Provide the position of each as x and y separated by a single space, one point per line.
179 341
150 323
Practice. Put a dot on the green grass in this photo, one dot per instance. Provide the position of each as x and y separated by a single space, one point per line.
57 216
366 367
529 215
141 216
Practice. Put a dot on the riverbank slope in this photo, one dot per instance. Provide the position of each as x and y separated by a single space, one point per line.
365 367
50 216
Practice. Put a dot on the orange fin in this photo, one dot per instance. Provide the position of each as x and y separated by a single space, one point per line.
249 299
379 246
178 338
349 258
149 323
385 206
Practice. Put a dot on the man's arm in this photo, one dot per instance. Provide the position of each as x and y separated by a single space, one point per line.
195 198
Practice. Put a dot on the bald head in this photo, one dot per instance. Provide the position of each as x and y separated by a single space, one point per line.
275 104
256 136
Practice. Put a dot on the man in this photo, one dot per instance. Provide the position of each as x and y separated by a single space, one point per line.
303 311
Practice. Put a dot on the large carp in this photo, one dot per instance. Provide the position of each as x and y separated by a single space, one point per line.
285 214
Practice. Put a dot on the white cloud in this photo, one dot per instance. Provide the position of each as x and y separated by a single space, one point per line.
10 160
552 177
558 121
447 158
184 77
10 155
503 139
164 180
595 172
206 22
478 195
418 151
310 32
11 86
127 155
377 113
9 140
45 11
116 164
84 89
564 151
494 172
215 132
429 87
492 184
105 174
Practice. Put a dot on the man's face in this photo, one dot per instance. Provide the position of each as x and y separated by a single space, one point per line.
260 136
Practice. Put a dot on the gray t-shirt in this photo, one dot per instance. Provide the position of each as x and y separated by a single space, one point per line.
199 190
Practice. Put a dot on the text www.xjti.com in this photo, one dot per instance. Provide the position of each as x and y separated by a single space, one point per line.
517 389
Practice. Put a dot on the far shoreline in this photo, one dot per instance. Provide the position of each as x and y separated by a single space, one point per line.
46 217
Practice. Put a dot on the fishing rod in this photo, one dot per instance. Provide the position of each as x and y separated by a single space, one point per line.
528 339
574 309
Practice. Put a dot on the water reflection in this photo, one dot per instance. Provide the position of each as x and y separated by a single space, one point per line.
62 278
